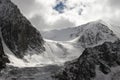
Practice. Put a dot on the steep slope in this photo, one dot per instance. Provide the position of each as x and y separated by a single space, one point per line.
3 57
96 33
115 29
21 40
62 51
98 63
17 32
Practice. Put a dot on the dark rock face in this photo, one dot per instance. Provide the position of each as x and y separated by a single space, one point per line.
17 32
3 57
105 57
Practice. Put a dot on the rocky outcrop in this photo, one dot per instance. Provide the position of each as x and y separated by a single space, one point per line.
3 57
95 33
98 63
18 33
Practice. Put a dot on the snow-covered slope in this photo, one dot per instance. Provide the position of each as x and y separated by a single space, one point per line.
55 53
96 33
19 38
22 40
23 44
115 29
96 63
25 47
63 50
71 42
88 35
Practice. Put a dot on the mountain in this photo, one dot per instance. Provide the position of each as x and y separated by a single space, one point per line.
96 63
18 37
61 35
96 33
21 44
86 35
17 32
68 44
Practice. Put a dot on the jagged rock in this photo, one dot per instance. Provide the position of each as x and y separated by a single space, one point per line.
102 59
3 57
17 32
95 33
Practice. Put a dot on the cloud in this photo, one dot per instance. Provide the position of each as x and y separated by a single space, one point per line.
63 23
46 15
25 6
42 15
114 3
43 26
38 21
111 9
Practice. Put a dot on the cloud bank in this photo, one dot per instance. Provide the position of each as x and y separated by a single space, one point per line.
58 14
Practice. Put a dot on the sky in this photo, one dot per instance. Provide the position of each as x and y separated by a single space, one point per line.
59 14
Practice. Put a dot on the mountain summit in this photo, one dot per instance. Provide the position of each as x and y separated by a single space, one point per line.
95 33
90 34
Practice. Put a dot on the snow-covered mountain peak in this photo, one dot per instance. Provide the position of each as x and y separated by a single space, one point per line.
100 24
95 33
90 34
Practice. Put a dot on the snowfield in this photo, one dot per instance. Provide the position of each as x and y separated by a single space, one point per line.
56 53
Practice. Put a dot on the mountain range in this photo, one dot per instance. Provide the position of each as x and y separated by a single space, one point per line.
86 52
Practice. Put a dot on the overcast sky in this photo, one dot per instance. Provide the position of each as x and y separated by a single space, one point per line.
58 14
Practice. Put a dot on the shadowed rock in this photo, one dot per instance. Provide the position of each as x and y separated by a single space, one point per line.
18 33
104 59
3 57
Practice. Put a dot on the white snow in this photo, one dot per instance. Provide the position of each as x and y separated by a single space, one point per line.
13 59
56 53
